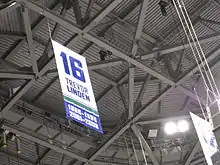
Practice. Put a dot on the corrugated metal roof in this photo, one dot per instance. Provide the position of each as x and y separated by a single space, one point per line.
11 21
5 43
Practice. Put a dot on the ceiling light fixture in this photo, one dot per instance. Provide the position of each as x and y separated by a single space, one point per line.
182 126
170 128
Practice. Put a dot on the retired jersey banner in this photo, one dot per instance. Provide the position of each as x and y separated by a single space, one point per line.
79 100
206 137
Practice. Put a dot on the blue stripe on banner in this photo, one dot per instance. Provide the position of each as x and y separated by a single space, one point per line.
82 116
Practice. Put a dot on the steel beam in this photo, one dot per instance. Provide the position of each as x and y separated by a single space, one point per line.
9 8
91 66
130 92
104 64
145 145
142 91
45 152
198 161
178 47
88 10
133 61
192 153
32 138
16 36
211 56
130 26
77 12
16 75
111 88
103 78
210 21
139 27
27 25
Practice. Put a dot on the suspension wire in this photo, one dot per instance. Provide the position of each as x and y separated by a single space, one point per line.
206 62
130 162
203 112
197 41
132 142
194 41
184 28
142 148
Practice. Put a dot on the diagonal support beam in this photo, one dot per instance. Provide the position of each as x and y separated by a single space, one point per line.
178 47
42 156
88 10
16 75
14 35
142 91
209 21
145 144
9 8
111 88
140 25
27 25
130 92
77 12
192 153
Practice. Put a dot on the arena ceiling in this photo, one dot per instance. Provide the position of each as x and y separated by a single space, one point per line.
146 79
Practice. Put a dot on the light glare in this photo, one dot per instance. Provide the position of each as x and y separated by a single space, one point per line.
170 128
183 126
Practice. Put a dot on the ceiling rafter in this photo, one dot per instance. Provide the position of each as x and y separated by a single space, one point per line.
30 41
178 47
139 27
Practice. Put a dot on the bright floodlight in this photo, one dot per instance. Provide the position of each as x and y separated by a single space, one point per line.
182 126
170 128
